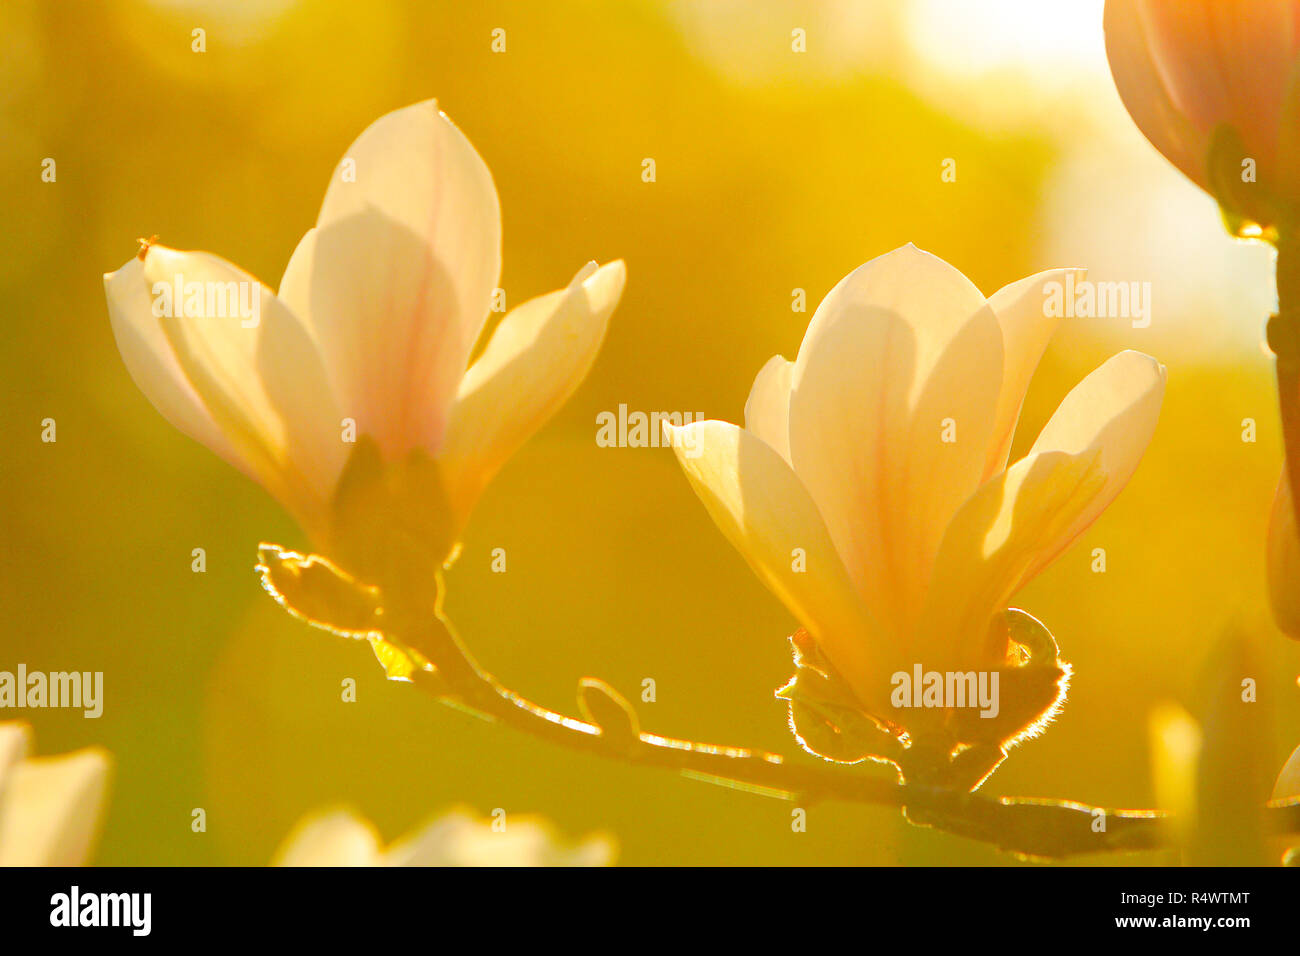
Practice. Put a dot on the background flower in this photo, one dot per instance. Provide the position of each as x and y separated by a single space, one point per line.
50 807
1188 68
456 838
369 338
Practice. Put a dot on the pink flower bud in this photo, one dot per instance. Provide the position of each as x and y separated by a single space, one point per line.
1193 73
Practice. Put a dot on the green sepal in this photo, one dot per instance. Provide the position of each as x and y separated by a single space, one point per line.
1032 680
825 716
1249 211
392 522
399 663
315 590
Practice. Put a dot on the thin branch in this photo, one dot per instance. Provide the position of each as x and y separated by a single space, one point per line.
1029 827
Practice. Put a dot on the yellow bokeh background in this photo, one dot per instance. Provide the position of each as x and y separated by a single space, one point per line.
775 171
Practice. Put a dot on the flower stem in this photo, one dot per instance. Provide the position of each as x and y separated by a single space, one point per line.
1028 827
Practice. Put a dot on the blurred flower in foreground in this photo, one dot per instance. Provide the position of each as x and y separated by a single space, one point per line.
347 395
1212 85
1284 561
1175 742
1287 786
1213 772
50 807
869 488
458 838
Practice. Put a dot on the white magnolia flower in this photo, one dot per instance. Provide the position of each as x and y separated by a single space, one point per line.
374 323
50 807
880 454
458 838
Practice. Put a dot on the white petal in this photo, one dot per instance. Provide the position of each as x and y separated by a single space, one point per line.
1113 411
148 357
535 360
1024 517
295 284
52 809
15 739
767 410
458 838
434 843
1021 309
988 549
260 378
902 344
766 513
401 274
330 838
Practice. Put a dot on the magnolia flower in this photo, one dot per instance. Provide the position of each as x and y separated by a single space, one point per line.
870 487
1188 69
458 838
50 807
361 360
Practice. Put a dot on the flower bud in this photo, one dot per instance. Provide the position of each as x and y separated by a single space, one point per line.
1211 85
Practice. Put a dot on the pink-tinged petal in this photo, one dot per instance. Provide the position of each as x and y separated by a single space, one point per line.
148 358
766 513
901 353
400 274
1021 310
1226 63
52 809
536 359
1181 42
1255 46
259 375
1145 94
767 410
